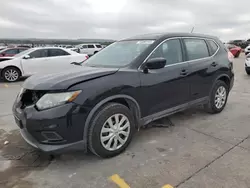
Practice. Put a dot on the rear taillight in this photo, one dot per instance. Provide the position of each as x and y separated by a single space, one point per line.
87 56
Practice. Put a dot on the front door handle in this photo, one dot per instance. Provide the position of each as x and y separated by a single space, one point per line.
214 64
184 72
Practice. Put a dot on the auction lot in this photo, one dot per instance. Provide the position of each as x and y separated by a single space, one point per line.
199 151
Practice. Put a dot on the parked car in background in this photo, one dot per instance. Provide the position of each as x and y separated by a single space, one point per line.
39 60
70 47
2 47
9 52
247 50
235 50
89 49
247 64
130 83
241 43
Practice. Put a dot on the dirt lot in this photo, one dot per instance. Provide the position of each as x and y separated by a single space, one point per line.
199 151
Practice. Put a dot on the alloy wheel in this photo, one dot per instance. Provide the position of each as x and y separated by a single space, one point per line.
11 75
220 97
115 132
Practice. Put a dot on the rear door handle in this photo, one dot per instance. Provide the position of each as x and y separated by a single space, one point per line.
184 72
214 64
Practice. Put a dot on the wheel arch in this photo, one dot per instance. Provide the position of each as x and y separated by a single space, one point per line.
11 66
125 100
223 77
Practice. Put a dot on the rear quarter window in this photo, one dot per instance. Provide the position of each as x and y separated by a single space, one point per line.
213 47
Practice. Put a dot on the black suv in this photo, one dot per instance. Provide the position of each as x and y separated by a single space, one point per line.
99 106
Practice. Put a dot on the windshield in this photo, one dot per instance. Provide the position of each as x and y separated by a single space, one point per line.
23 53
118 54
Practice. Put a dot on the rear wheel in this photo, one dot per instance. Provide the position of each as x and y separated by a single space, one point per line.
111 130
11 74
217 98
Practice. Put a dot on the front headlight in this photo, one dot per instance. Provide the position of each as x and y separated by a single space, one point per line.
51 100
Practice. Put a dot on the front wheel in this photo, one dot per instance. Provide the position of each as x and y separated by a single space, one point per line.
218 97
111 130
11 74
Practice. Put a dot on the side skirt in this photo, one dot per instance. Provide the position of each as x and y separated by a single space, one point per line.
173 110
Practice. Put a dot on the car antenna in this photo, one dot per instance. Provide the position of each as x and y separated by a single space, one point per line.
192 30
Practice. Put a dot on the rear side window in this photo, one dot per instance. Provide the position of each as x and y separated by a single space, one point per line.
91 46
170 50
39 53
57 52
11 51
196 49
213 46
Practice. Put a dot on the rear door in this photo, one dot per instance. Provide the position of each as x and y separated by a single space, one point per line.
36 62
202 66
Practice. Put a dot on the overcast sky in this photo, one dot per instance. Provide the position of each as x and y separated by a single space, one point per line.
117 19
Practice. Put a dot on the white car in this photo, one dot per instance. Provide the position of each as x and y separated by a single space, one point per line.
39 60
89 49
247 50
247 64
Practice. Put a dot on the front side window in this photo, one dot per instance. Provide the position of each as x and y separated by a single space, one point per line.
57 52
119 54
91 46
84 46
196 48
170 50
39 53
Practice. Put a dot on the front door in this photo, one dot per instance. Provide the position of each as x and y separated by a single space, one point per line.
35 64
168 87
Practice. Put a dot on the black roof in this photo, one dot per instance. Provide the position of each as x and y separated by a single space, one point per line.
155 36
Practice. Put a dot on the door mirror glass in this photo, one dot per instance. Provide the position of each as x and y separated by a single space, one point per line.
156 63
26 57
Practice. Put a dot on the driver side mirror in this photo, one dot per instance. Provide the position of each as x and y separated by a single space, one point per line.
155 63
26 57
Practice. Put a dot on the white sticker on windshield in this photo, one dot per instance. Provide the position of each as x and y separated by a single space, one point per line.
145 42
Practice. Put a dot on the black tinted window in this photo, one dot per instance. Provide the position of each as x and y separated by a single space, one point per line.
98 46
57 52
196 48
213 46
91 46
170 50
11 51
39 53
84 46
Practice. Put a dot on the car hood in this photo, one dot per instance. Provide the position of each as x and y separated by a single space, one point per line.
63 80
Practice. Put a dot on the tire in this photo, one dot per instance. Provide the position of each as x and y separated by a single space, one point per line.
246 53
95 52
248 72
98 124
211 106
15 74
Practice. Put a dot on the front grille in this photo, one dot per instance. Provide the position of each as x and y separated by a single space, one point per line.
30 97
